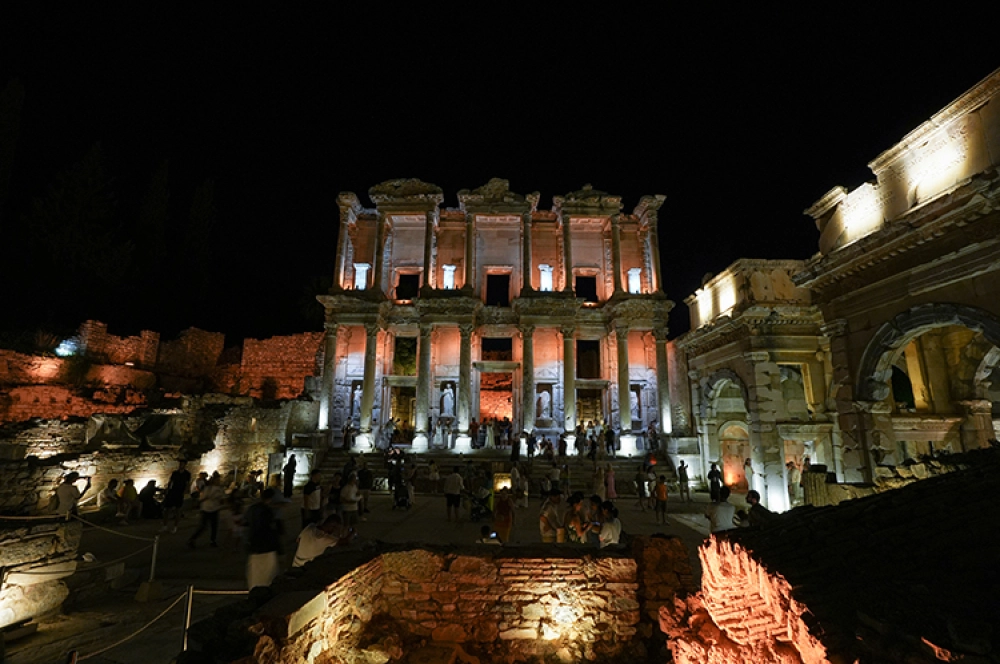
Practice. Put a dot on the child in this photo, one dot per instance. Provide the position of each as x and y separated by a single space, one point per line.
660 493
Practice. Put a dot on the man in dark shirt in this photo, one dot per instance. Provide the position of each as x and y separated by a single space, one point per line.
366 482
173 500
264 531
312 500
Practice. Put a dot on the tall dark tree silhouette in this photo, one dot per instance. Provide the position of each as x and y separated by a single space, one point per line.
78 254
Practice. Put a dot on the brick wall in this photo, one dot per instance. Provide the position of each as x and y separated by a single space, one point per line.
27 402
194 353
141 350
508 606
277 367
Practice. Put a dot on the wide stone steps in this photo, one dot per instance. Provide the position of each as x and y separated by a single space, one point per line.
581 470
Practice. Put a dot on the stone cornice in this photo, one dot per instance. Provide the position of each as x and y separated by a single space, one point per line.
974 98
495 197
407 194
965 203
587 202
753 321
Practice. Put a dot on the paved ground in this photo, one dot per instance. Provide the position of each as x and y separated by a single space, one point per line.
102 620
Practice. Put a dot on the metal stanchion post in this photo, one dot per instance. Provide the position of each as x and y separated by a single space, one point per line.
187 616
152 565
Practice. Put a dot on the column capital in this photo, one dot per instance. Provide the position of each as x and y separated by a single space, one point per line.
661 335
466 330
567 330
834 328
622 328
371 329
425 330
527 330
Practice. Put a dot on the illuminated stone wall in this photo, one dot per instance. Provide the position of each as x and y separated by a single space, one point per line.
35 558
277 367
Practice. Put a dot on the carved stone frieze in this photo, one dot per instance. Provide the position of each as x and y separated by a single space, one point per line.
496 197
410 190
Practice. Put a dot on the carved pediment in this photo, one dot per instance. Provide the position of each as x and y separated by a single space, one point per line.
406 190
496 196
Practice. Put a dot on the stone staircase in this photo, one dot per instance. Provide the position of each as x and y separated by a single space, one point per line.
490 461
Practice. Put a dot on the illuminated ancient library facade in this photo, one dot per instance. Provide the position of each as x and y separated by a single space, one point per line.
442 318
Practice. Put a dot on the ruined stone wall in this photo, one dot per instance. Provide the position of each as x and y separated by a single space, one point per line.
35 556
24 403
744 613
141 350
276 368
194 353
500 607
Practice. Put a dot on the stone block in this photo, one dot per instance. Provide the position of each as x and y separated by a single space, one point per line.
453 633
519 633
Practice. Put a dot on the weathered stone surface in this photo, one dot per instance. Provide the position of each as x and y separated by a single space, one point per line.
449 633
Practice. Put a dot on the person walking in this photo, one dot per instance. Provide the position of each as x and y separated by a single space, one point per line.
349 499
366 482
682 482
453 487
289 476
640 487
714 483
312 499
173 499
264 530
210 502
660 494
503 515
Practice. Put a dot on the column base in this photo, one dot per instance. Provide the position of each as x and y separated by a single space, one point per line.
463 444
420 443
364 442
626 442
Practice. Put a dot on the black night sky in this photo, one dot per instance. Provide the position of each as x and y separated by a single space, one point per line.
162 168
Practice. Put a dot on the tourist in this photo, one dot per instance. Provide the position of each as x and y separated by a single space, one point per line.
199 484
349 499
312 499
611 528
149 506
289 476
317 538
682 482
640 487
794 484
609 442
503 514
550 518
109 496
67 496
366 482
599 486
721 514
333 494
532 442
173 499
576 521
130 505
714 483
434 477
453 487
660 495
748 472
487 536
264 530
210 501
609 479
758 514
555 478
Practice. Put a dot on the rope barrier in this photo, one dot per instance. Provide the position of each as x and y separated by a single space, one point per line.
221 592
111 530
35 517
162 613
83 568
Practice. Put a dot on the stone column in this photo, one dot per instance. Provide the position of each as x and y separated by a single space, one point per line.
365 436
567 257
463 442
654 249
528 371
977 427
379 251
424 387
470 251
569 380
526 266
428 259
664 407
329 380
616 253
626 438
767 447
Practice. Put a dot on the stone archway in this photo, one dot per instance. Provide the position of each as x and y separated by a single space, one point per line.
712 386
875 370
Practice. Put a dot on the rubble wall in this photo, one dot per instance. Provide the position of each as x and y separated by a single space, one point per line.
276 368
502 607
35 557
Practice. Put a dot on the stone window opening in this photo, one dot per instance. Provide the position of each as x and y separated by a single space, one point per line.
498 289
588 358
407 286
586 288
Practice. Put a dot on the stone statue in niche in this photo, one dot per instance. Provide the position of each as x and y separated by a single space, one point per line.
447 401
356 403
633 403
544 406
